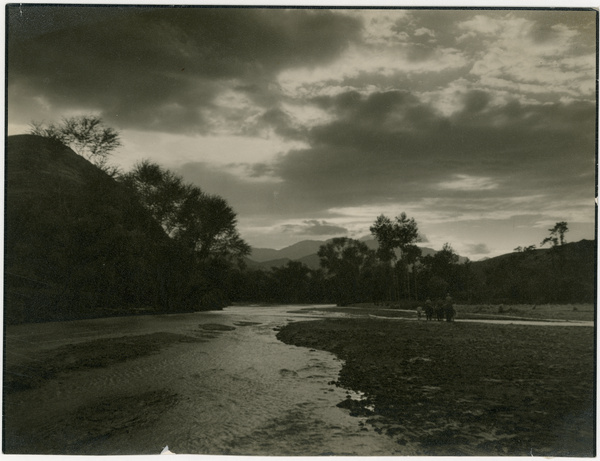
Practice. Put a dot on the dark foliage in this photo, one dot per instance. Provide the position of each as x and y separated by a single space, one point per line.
563 274
78 244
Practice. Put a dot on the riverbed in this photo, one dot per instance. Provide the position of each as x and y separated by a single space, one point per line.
221 384
212 383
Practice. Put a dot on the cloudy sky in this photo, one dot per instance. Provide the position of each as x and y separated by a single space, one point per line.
478 123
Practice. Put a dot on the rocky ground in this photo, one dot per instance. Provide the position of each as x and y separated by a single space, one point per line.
465 388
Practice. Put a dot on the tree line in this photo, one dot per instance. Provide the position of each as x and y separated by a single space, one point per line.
350 272
194 257
398 273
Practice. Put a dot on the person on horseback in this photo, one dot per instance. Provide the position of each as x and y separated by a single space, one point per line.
419 312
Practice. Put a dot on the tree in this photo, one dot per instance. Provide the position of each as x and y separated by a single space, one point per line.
160 191
557 234
347 262
292 282
443 272
207 225
527 249
204 224
86 135
401 234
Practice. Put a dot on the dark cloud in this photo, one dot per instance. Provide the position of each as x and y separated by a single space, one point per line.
391 147
475 101
280 122
158 68
462 123
477 249
314 227
246 197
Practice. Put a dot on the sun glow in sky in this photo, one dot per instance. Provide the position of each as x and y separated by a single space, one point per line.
478 123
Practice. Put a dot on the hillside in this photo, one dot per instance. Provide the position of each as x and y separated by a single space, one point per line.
77 244
565 273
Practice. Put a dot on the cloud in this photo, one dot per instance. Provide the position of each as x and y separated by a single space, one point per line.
424 31
465 182
163 68
314 227
477 249
247 196
392 147
525 55
313 118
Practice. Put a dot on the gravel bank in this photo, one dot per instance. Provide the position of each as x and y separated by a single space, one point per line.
465 389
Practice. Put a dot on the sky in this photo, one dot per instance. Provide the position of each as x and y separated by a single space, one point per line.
478 123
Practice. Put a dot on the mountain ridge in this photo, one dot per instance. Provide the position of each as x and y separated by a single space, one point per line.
305 251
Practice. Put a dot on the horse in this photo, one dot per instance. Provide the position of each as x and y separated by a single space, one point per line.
428 311
450 312
439 312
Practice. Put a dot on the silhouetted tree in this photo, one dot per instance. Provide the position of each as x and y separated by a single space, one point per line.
347 262
442 272
292 282
527 249
557 234
86 135
203 223
400 234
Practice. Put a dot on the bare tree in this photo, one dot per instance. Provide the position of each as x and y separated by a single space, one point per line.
86 135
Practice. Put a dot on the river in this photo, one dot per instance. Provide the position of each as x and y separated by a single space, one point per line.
233 389
239 392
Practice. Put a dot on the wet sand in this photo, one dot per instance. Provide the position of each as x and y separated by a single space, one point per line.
208 383
457 389
49 426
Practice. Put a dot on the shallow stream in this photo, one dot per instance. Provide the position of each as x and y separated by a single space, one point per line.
233 388
239 392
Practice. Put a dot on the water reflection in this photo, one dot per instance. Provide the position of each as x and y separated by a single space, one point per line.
239 392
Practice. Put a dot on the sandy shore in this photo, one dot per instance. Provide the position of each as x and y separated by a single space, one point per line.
463 388
73 429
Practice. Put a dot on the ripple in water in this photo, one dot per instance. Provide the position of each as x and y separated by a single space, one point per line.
242 392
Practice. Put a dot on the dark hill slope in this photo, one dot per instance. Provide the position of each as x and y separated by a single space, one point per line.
563 274
77 244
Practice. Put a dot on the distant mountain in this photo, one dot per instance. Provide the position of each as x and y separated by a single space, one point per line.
305 251
313 261
295 251
259 255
